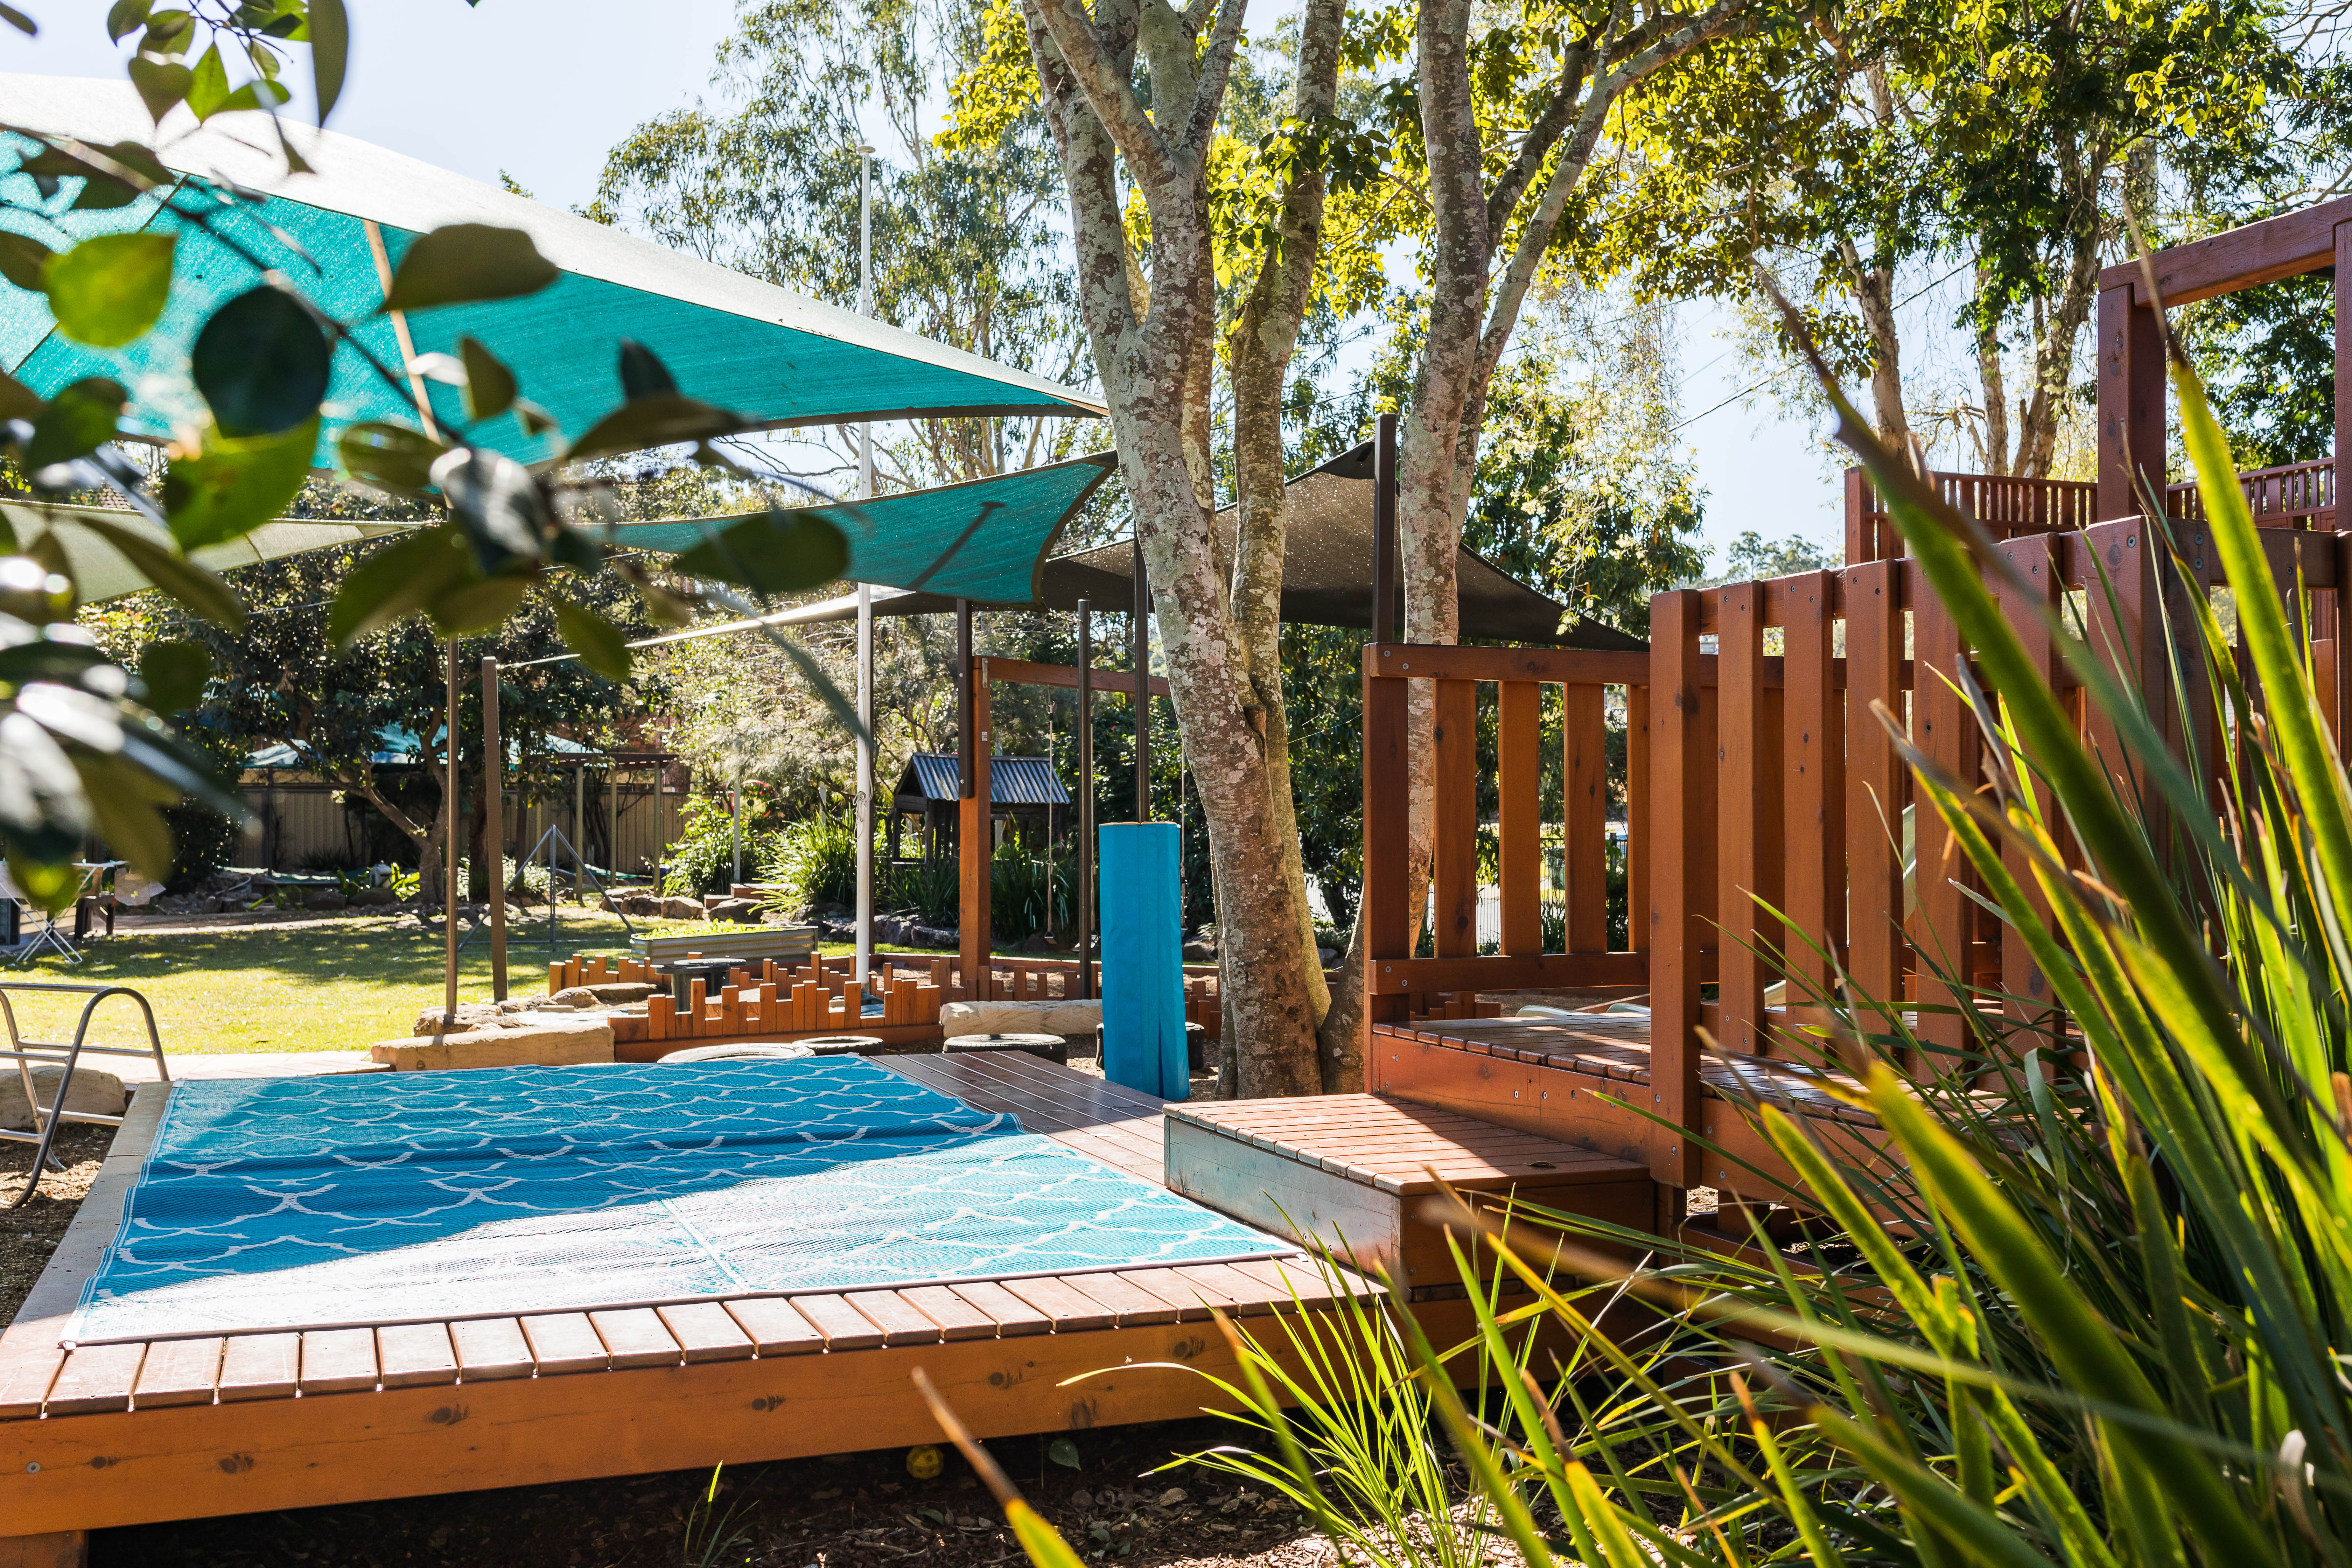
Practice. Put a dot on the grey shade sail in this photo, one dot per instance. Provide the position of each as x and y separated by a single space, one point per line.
1012 781
1326 571
1326 576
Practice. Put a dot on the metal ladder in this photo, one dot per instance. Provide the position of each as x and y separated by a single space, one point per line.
26 1053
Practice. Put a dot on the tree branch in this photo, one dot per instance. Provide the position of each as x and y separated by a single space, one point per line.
1209 94
1106 87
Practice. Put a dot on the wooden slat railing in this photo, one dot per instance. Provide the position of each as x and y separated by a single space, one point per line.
2009 507
1760 774
2293 495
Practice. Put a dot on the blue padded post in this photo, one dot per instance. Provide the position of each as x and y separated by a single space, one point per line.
1144 959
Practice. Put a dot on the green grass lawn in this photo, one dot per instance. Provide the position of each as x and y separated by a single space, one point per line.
328 987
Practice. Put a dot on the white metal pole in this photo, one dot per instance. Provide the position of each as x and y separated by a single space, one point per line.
864 962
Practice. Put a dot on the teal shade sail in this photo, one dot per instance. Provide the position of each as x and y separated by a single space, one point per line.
984 540
776 357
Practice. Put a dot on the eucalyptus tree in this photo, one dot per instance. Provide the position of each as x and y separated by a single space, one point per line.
763 177
1864 151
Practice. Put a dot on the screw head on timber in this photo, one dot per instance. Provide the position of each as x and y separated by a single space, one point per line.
34 1468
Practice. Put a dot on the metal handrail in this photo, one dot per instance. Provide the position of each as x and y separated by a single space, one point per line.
25 1053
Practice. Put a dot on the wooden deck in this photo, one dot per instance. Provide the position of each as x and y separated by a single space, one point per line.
124 1434
1558 1078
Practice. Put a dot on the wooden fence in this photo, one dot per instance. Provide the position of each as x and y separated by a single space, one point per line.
1760 771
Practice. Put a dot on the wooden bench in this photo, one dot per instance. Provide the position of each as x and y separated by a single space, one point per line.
1352 1173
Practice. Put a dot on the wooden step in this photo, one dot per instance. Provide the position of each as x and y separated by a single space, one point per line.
1353 1173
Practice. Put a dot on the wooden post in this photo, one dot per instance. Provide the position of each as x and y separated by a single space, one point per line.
1812 748
494 838
1086 800
450 847
1384 529
1584 815
1453 824
1942 727
1519 721
1387 907
1861 537
2023 983
2131 402
2343 388
1676 891
1741 834
973 850
1874 782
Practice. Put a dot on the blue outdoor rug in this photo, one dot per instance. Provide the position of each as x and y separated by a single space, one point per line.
389 1197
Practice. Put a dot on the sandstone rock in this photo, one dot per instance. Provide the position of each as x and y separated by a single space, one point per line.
739 910
575 996
94 1091
620 992
372 897
326 898
1194 951
543 1043
635 903
1037 942
683 910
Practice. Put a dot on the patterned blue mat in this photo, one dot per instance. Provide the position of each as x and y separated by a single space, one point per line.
384 1197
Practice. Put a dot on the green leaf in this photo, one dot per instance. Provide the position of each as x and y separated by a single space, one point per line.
262 362
168 33
78 421
48 886
1061 1451
121 801
595 639
162 84
175 575
461 262
21 259
18 401
489 385
329 32
108 290
390 456
175 673
536 421
659 421
643 375
397 581
235 485
497 502
208 86
481 605
125 17
771 553
18 20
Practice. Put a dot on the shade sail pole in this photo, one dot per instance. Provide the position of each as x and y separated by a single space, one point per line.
1384 534
494 835
864 962
449 849
1141 635
1086 800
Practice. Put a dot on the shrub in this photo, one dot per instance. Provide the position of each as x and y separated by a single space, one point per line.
201 841
814 861
703 860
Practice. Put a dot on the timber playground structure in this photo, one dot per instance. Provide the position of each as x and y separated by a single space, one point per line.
1755 770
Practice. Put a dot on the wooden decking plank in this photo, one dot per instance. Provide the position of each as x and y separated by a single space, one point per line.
565 1341
774 1327
415 1355
1160 1282
490 1348
901 1321
27 1370
704 1331
957 1318
843 1327
260 1366
1070 1310
339 1361
1130 1305
1288 1283
178 1371
634 1336
1011 1315
96 1378
1219 1285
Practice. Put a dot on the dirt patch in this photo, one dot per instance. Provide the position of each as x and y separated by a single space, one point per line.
30 1234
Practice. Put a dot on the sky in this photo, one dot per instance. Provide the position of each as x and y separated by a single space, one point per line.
539 90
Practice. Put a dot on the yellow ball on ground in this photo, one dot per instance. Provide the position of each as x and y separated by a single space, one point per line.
924 1461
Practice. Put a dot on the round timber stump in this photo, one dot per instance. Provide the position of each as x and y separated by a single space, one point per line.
1051 1047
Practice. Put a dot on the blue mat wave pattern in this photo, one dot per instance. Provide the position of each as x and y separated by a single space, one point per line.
310 1203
